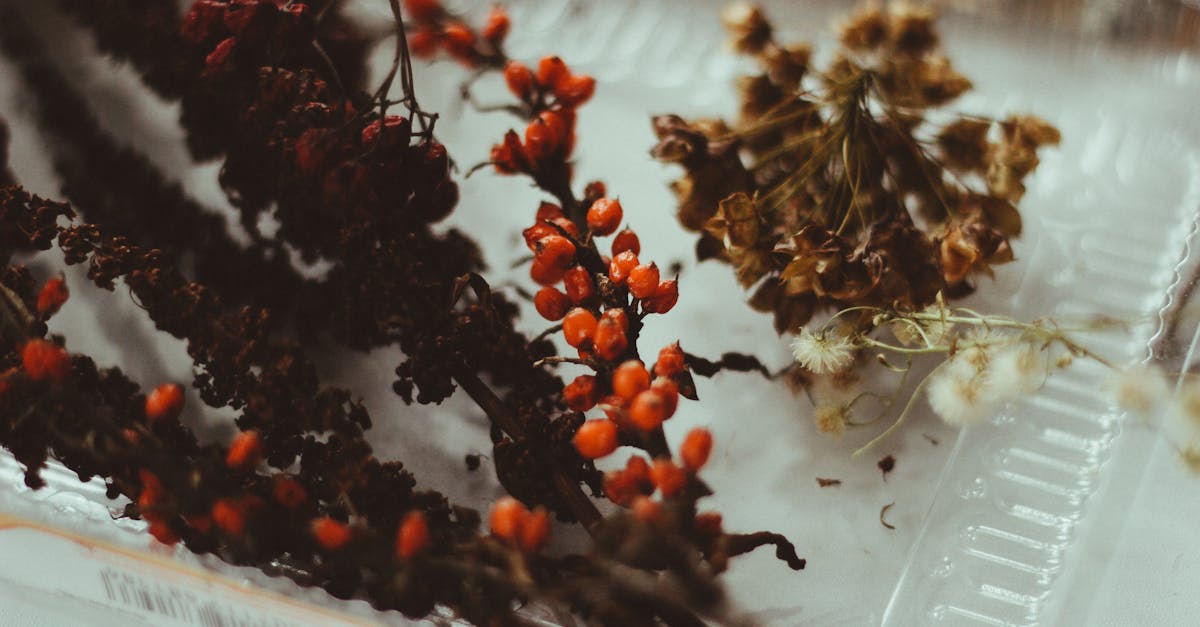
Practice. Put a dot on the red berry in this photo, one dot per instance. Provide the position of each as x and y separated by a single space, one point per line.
245 452
423 10
497 25
506 518
621 265
229 516
551 303
610 340
413 535
200 522
596 438
459 41
626 240
550 71
546 136
664 298
535 531
579 327
670 361
548 211
164 403
647 509
288 492
566 225
519 79
697 446
218 61
605 215
163 532
575 90
668 391
643 280
668 477
619 316
581 394
707 524
44 360
546 273
54 293
630 379
331 534
579 285
536 232
647 410
423 42
555 250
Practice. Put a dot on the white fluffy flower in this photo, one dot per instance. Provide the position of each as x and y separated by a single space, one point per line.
824 352
959 393
936 330
1141 390
1016 369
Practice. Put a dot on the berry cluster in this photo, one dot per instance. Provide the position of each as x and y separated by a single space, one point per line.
436 28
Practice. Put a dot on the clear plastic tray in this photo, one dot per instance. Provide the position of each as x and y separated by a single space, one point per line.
1007 522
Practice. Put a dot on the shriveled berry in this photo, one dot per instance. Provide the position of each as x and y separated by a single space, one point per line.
551 70
288 492
535 531
506 518
647 410
668 391
546 273
582 393
52 296
671 361
667 477
596 438
697 445
626 240
610 341
643 280
331 534
551 304
630 379
621 265
579 327
605 215
245 452
164 403
519 79
664 298
413 535
45 360
579 285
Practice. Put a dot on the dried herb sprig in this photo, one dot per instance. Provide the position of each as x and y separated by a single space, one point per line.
843 188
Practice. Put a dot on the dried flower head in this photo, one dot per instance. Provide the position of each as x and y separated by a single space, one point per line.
824 352
1141 390
831 418
959 394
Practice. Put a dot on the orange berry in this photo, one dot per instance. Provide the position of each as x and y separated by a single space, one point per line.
229 516
697 445
610 341
54 293
413 535
163 532
548 211
423 10
551 70
596 438
536 232
551 303
670 361
604 216
164 403
288 492
581 394
708 524
148 505
331 534
566 225
150 481
668 391
578 283
423 42
200 522
668 477
619 267
614 407
546 273
497 25
630 379
664 298
579 327
647 410
45 360
535 531
519 79
643 280
245 452
555 250
622 486
506 518
546 135
647 509
459 41
575 90
626 240
619 316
